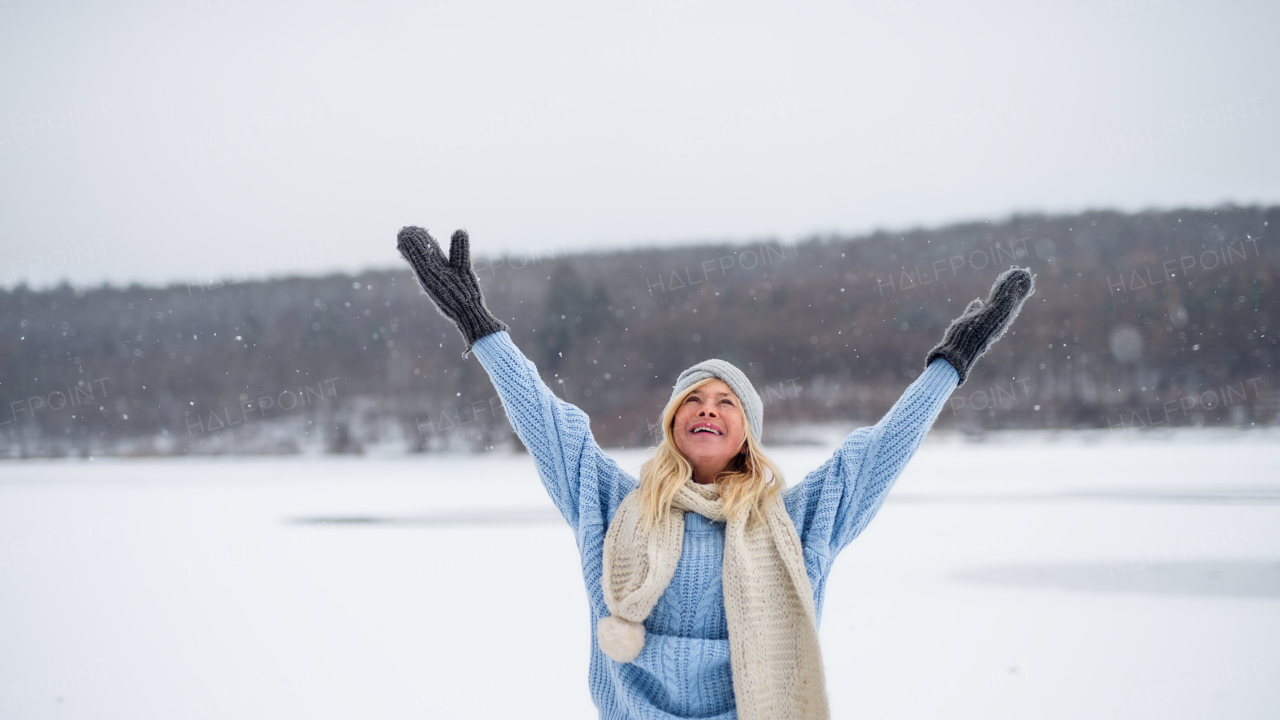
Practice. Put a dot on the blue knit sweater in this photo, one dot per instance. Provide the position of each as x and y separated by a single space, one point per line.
684 671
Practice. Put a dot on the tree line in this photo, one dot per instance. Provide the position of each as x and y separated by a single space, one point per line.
1140 320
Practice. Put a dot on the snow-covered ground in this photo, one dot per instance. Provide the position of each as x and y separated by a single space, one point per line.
1029 576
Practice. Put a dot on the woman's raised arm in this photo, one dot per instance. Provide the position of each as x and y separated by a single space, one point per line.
836 501
585 484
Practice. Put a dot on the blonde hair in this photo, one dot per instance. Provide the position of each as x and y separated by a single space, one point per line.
749 482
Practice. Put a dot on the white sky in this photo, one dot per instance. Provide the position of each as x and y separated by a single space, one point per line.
170 140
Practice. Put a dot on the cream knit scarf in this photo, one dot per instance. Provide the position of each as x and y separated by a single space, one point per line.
773 635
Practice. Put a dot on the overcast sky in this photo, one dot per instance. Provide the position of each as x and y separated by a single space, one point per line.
171 140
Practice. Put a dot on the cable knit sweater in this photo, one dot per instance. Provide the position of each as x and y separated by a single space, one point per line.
684 671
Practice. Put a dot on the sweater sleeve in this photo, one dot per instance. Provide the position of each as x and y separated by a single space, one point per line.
585 484
835 502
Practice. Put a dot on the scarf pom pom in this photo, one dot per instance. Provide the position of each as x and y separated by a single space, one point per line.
620 639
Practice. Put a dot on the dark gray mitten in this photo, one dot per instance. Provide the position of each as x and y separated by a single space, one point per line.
981 324
450 282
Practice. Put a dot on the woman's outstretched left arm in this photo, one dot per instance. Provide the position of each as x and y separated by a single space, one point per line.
835 502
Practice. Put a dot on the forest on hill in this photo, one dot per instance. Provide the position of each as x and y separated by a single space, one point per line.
1139 320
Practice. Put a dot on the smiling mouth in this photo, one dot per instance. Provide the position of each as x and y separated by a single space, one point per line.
705 429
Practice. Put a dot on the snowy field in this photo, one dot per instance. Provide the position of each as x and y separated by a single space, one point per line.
1032 576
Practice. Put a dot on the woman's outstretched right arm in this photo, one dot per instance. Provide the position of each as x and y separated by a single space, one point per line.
585 484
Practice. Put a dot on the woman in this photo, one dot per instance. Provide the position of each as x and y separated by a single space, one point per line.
706 577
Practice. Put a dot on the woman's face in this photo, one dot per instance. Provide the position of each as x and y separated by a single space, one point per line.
709 427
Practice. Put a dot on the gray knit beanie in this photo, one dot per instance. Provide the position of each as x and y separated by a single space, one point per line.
737 382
